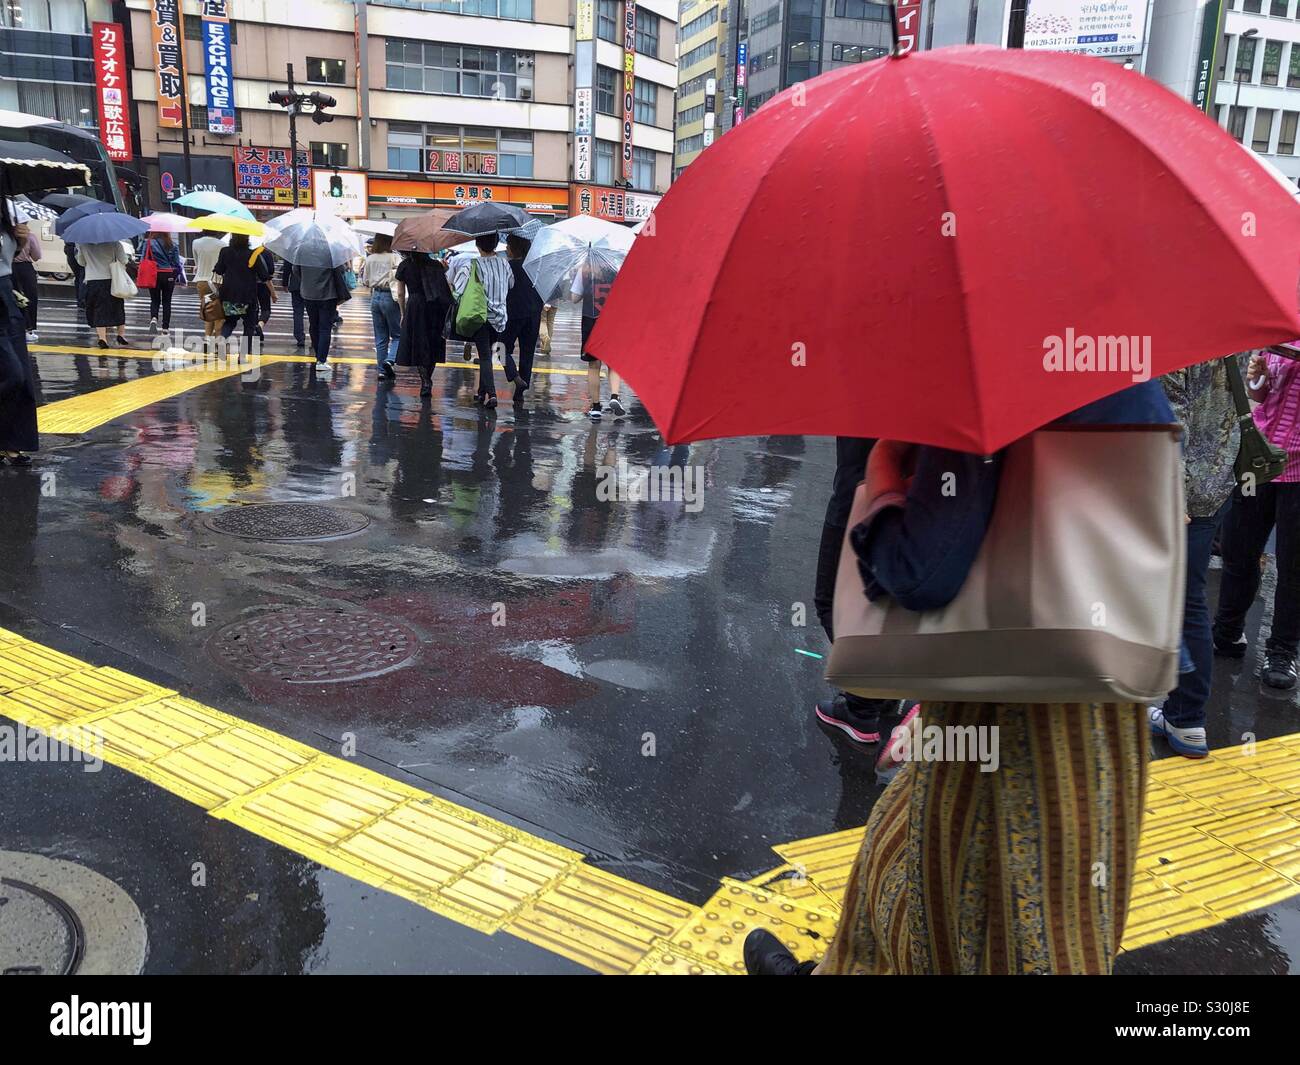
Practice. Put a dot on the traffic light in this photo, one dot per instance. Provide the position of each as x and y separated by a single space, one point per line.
321 101
336 186
283 98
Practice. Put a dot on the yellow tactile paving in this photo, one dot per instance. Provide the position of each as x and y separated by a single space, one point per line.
1221 837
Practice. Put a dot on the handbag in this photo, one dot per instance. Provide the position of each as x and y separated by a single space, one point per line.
1258 460
146 275
1076 593
471 308
120 283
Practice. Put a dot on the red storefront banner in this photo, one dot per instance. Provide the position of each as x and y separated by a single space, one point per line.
112 68
907 25
629 83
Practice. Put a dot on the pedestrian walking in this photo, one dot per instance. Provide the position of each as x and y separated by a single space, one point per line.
78 274
1256 512
289 281
494 274
423 296
266 295
323 289
590 290
1202 402
18 434
162 249
524 309
206 250
104 310
942 883
377 273
26 282
239 274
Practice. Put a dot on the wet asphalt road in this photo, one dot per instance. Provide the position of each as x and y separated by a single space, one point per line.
619 621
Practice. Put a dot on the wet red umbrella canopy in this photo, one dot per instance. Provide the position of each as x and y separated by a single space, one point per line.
943 248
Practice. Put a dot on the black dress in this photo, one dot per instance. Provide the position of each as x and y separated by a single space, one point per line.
17 379
428 298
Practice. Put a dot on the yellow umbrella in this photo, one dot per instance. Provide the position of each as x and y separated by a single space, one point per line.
225 223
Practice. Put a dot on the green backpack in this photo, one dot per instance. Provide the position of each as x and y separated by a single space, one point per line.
471 311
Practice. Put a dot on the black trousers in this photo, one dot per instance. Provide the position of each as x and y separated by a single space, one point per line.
299 313
161 296
525 331
25 281
1245 534
320 322
483 341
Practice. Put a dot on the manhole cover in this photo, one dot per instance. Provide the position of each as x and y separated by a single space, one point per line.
287 522
58 918
304 646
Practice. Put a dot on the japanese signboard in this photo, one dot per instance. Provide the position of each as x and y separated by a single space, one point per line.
165 19
262 177
585 23
629 83
397 194
742 61
443 161
907 20
353 199
1114 28
216 64
112 70
584 74
613 205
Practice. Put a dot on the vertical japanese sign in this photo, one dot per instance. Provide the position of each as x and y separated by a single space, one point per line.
742 64
584 70
907 21
111 70
165 20
216 66
629 83
1211 36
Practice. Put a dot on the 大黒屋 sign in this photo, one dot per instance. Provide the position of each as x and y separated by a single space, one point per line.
167 31
216 65
111 70
263 176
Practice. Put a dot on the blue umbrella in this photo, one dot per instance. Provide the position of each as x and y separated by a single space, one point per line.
83 211
104 228
209 202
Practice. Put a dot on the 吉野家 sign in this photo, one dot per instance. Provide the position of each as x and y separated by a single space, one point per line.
167 30
111 70
1113 28
263 177
216 64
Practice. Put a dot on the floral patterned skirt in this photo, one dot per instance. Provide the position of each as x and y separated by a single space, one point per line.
1025 869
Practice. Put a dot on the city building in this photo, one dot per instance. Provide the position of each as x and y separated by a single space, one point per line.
436 102
701 46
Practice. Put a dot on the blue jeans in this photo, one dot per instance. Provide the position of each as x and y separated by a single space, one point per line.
387 320
1185 707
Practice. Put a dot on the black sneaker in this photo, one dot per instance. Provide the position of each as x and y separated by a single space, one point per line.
1279 671
594 414
1226 648
859 719
765 955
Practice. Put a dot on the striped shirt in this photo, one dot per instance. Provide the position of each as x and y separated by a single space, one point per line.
1278 416
497 277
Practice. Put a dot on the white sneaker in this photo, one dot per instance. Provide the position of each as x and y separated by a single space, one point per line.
33 336
324 368
1189 742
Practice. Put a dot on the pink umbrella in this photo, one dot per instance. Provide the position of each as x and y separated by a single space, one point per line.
165 222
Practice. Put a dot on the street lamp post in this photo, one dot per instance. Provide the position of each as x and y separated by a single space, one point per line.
1236 100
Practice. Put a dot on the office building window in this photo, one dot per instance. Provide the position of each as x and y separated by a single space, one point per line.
701 22
645 101
323 153
326 71
763 19
406 148
1245 65
1286 133
643 169
855 53
691 114
516 153
1223 56
609 17
458 70
1272 62
806 52
647 33
1252 6
695 84
605 155
1237 122
511 9
1278 8
1263 129
472 151
193 29
690 144
608 91
862 9
702 51
1293 68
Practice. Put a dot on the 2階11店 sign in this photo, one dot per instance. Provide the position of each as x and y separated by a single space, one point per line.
111 72
216 65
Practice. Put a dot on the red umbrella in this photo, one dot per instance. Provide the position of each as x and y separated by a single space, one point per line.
928 247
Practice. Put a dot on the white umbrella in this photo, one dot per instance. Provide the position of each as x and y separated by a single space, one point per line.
375 225
580 243
312 238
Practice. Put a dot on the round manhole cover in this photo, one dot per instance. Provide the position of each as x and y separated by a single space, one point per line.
306 646
58 918
287 522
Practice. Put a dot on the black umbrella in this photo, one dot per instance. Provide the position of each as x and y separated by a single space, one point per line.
65 201
78 213
485 218
28 167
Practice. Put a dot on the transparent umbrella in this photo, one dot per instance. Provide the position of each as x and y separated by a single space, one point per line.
312 238
580 245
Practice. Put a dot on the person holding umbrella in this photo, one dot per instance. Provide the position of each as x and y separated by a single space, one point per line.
523 318
494 274
385 316
423 298
18 433
239 274
163 251
104 310
26 281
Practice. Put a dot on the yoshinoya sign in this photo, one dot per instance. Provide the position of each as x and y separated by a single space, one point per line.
1088 27
216 65
167 25
112 70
